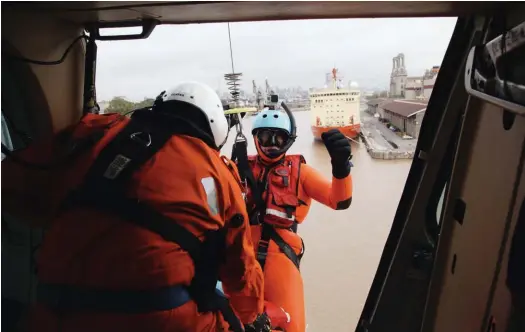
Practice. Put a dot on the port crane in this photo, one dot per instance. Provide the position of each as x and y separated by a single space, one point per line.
267 99
259 100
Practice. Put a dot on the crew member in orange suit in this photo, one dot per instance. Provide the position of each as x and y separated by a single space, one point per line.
155 217
280 199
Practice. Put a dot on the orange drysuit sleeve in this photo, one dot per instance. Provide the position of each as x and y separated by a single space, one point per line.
241 275
337 195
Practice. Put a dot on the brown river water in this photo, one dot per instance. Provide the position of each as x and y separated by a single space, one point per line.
343 248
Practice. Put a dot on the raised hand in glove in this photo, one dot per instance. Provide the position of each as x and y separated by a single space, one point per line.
340 151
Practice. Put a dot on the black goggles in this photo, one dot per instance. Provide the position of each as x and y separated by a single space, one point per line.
269 137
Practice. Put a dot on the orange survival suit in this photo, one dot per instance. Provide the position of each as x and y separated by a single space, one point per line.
153 221
279 190
289 187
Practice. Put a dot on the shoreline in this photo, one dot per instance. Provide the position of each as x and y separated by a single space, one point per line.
380 143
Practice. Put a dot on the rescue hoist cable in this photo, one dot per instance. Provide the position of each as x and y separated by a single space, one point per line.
240 145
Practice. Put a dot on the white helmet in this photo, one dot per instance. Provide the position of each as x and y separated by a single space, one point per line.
206 99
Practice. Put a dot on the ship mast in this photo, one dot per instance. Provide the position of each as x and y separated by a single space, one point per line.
334 78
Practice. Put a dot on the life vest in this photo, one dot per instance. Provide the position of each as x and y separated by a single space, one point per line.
102 184
280 186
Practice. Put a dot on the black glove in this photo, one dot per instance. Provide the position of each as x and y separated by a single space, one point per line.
340 151
261 324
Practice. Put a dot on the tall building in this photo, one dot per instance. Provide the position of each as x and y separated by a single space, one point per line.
421 87
413 87
398 76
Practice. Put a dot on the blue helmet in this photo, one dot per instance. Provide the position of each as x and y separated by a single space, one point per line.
272 119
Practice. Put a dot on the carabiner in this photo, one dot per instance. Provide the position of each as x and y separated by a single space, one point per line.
238 127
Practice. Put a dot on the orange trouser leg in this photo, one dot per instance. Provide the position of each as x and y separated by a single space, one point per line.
283 286
182 319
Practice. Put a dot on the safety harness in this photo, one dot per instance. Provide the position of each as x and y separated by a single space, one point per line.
105 188
268 232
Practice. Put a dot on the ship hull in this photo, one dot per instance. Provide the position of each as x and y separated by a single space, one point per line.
351 131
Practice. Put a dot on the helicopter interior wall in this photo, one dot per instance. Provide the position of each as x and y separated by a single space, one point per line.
502 305
46 38
478 223
47 99
51 95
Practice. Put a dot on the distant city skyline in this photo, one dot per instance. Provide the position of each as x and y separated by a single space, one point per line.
287 53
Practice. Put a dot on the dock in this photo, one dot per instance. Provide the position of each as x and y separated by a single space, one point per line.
382 143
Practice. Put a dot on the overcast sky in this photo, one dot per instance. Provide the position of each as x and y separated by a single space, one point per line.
288 53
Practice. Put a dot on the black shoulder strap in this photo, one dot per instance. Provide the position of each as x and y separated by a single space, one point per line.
269 233
240 156
107 180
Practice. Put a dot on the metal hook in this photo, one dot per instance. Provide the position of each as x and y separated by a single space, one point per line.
238 127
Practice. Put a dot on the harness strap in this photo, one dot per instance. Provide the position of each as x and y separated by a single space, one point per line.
269 233
125 301
105 188
240 156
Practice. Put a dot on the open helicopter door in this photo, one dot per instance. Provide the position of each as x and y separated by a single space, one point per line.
446 261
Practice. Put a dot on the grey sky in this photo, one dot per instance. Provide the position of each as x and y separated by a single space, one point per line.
288 53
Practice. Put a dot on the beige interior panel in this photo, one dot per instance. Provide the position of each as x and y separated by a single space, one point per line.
46 39
228 11
486 189
501 305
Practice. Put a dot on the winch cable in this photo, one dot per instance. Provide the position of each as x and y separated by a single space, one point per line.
240 145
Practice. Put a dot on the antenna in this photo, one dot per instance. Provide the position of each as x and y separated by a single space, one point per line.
233 78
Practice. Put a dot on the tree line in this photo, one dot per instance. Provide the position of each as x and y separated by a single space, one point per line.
123 106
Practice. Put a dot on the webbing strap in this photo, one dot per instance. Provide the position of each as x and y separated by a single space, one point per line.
68 298
106 182
240 157
269 233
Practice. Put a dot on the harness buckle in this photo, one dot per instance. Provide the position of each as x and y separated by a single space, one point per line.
137 138
240 137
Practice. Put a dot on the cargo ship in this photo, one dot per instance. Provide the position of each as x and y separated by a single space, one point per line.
335 106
